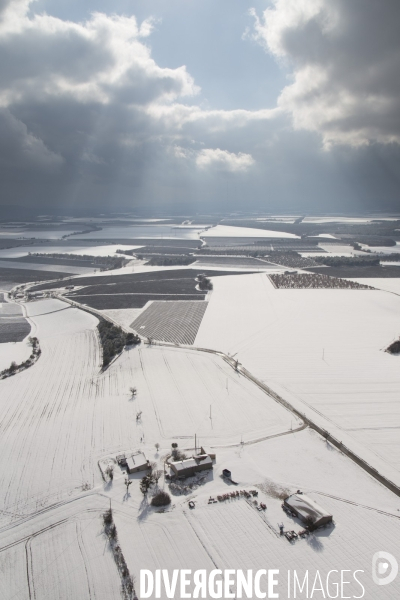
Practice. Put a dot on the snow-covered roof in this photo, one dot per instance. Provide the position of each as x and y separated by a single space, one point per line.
190 463
137 460
306 507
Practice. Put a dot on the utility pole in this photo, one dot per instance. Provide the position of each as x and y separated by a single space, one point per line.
195 443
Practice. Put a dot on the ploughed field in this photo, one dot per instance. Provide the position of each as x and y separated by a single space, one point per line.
134 290
153 275
13 327
158 286
115 302
136 294
377 271
176 322
232 261
9 277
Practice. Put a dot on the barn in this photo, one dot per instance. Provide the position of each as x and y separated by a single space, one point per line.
190 466
307 510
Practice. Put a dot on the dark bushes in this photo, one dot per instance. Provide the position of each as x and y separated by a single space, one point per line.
348 261
14 368
204 282
113 340
394 348
161 499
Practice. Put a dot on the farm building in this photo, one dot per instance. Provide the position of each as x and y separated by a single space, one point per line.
307 510
137 462
190 466
211 455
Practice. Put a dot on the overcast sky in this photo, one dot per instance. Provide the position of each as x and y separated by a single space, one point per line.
200 105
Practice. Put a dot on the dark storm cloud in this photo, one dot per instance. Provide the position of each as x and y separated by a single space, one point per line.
88 118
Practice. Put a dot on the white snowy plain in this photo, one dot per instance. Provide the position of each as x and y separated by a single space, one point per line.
321 348
58 418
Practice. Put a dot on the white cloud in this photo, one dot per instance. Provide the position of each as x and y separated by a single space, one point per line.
222 159
345 60
101 60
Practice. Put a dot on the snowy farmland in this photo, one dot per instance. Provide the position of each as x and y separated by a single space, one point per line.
61 415
150 230
231 231
322 349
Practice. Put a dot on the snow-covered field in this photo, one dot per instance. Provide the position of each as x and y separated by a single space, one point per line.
62 415
384 249
382 283
14 351
61 553
123 316
322 349
324 235
234 535
95 250
241 232
142 231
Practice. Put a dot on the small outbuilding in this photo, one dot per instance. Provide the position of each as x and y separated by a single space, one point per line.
307 510
137 462
212 455
190 466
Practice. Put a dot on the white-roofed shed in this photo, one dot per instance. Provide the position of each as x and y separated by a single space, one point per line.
308 510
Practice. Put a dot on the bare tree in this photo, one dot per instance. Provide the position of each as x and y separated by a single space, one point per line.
157 446
146 483
133 391
157 474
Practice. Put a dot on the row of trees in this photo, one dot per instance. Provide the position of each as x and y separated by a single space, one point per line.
348 261
168 261
13 368
127 581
